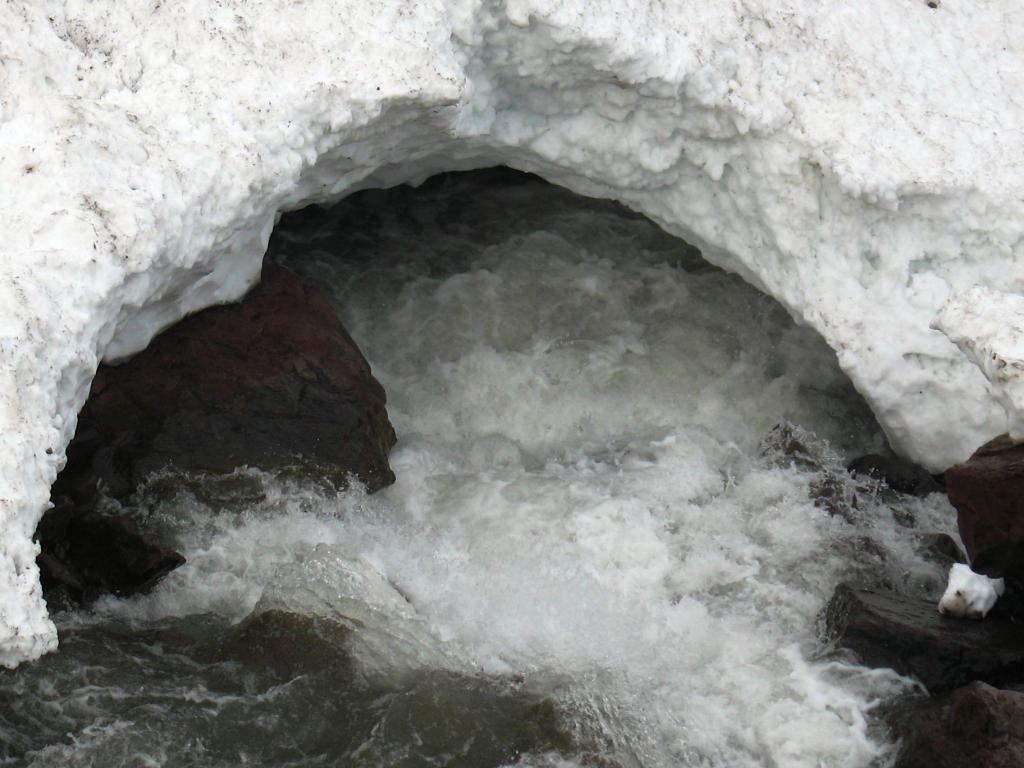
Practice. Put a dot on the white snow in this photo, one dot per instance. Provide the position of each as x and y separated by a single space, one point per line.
988 326
860 162
969 595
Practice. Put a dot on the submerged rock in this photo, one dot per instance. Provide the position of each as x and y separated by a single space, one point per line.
430 715
276 689
285 645
790 445
86 554
272 382
988 492
830 491
910 636
899 474
976 726
787 444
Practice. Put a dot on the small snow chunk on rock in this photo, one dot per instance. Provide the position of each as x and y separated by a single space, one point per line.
969 594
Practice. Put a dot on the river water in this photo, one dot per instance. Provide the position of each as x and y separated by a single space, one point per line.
600 550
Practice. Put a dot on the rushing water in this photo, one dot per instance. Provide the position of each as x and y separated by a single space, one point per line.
598 552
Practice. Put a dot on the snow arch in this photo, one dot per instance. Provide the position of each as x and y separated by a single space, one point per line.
859 164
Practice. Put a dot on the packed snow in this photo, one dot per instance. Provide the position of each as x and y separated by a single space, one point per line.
988 326
859 163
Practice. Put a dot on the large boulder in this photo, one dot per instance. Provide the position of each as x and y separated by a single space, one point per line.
272 382
988 492
976 726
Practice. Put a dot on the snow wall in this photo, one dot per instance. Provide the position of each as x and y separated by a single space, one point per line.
861 162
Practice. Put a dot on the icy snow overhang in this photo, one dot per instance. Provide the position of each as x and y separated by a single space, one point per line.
988 326
858 161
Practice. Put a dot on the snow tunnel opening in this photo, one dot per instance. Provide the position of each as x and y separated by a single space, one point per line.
534 323
603 442
459 230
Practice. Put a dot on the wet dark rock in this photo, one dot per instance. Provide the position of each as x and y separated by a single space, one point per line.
899 474
789 445
277 689
86 554
976 726
940 548
988 492
488 721
830 491
286 644
273 382
237 492
910 636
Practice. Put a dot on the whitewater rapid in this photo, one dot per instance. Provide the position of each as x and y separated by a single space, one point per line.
588 505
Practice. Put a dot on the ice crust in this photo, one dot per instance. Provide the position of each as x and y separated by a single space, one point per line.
860 163
988 326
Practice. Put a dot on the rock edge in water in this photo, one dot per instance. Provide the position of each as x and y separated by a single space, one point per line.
973 670
86 554
910 636
988 492
273 382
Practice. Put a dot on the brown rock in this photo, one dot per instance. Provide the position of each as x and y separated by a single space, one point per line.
912 637
274 381
86 554
988 492
976 726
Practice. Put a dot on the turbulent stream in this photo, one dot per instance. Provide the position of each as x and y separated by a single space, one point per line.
600 550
